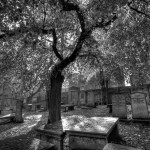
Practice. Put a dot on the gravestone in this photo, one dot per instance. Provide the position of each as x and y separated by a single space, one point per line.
142 90
119 108
6 111
90 99
33 107
139 106
74 97
82 98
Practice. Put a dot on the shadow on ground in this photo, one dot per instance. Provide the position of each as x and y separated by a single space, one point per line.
15 136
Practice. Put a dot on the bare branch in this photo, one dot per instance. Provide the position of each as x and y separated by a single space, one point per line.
7 33
44 12
138 11
21 30
84 33
55 45
74 7
92 55
103 24
144 1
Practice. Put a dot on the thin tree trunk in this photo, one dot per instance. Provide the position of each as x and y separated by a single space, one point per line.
103 91
18 113
54 96
106 81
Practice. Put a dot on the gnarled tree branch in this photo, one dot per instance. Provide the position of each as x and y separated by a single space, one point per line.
84 32
137 11
103 24
55 45
21 30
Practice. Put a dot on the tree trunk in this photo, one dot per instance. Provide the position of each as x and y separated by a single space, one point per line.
18 113
54 96
103 91
106 81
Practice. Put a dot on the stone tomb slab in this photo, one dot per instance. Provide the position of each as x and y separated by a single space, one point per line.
119 108
139 106
85 133
90 133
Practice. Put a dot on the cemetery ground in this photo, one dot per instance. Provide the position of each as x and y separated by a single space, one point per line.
22 136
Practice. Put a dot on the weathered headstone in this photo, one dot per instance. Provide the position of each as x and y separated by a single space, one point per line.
139 106
33 107
74 97
144 90
90 99
82 98
6 111
119 108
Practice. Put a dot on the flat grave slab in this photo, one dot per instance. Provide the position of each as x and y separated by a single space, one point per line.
86 133
91 133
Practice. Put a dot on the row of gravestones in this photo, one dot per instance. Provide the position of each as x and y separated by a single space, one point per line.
139 105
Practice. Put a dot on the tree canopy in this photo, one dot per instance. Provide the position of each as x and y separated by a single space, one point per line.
122 51
41 38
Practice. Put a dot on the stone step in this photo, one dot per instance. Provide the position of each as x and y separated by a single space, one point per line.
111 146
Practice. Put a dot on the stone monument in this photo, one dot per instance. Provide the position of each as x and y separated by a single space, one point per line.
90 99
139 106
119 108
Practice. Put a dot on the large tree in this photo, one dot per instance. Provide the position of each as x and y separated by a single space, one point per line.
85 19
61 26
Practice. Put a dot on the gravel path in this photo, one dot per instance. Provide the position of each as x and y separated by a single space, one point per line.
22 136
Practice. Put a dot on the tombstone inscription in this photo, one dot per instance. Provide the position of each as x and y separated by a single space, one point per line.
139 106
119 105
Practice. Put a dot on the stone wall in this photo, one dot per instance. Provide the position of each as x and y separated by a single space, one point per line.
129 90
83 97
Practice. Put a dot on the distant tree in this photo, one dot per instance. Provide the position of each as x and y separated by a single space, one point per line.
123 50
129 41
